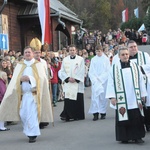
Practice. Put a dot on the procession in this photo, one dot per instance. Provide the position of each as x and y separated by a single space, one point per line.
79 89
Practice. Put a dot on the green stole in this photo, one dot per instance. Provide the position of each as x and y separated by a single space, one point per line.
122 107
141 61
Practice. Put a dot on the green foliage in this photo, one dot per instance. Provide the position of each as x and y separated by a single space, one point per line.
105 14
147 20
102 15
87 19
145 4
133 23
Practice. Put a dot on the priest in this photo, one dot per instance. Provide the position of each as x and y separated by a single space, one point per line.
126 91
143 60
27 96
72 75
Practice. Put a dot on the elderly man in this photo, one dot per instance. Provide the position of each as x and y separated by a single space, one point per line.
72 74
143 60
126 90
27 96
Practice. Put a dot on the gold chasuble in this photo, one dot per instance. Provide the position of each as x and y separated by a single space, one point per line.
10 107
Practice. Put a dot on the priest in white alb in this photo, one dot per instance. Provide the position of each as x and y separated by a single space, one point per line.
126 91
27 96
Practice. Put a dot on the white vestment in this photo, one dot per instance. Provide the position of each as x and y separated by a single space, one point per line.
98 73
28 107
146 68
128 86
74 68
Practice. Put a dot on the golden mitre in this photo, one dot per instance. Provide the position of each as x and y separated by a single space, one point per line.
36 44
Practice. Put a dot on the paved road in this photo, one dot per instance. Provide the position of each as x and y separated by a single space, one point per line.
75 135
144 48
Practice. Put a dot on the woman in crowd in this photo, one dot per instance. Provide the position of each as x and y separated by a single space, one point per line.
3 83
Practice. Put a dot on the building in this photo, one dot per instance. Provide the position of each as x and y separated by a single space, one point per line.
19 19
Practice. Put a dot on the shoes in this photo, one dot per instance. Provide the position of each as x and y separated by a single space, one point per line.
60 100
147 128
6 129
54 105
32 139
103 116
42 125
139 141
95 116
11 123
124 142
65 119
62 118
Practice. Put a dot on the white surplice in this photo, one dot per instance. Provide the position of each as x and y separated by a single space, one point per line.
74 68
98 73
128 86
146 68
28 108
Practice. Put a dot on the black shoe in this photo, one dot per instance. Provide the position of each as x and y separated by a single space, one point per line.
147 128
60 100
63 119
124 142
139 141
95 116
41 125
54 105
32 139
103 116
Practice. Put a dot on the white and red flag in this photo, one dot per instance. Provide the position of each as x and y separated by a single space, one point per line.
125 15
45 21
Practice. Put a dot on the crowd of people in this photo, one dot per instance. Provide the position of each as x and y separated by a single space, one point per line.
112 66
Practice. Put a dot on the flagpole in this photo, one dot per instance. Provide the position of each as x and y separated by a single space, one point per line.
48 40
45 21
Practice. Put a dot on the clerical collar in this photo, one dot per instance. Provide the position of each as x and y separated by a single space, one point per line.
133 57
30 62
125 64
72 57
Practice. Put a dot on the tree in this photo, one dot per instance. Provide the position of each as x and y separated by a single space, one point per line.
133 23
87 19
147 21
145 4
116 10
102 15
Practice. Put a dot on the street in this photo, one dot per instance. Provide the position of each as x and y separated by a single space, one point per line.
73 135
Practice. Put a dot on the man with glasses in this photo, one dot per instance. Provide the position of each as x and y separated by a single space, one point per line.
98 73
126 90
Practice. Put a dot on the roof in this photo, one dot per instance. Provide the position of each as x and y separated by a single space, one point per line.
56 9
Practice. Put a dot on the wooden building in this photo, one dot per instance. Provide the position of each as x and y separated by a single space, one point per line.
19 19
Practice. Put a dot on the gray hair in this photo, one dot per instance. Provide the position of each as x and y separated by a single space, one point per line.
122 49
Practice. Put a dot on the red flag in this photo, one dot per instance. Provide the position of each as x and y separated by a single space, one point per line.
125 15
44 16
